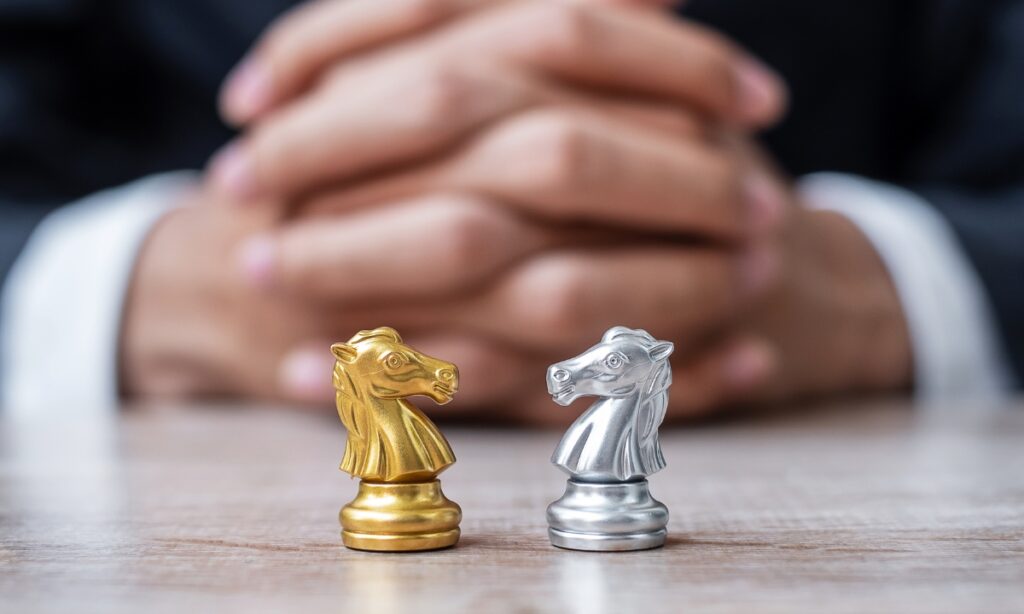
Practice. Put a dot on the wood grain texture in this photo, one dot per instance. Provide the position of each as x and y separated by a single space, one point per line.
855 508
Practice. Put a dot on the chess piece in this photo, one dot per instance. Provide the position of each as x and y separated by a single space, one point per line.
395 450
612 447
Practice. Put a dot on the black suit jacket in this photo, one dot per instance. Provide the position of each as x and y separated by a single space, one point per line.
926 94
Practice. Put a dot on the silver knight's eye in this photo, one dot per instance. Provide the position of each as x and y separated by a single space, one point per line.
393 361
614 361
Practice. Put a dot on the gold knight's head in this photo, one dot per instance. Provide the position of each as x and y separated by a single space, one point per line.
381 365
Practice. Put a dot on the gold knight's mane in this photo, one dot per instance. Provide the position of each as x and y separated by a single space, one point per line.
349 397
351 409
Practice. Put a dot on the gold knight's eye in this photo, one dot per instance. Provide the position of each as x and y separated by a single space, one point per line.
393 361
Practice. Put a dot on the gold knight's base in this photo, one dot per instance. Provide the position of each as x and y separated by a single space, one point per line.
400 518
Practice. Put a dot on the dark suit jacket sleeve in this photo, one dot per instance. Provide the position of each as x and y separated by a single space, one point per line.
37 94
973 170
18 223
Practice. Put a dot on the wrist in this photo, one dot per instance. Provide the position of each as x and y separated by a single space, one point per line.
168 338
144 351
876 351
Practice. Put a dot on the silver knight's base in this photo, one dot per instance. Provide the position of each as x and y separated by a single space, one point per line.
607 517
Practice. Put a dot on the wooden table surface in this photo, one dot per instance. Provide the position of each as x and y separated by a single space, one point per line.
853 508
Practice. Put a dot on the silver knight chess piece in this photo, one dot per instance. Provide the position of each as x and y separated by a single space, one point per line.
613 446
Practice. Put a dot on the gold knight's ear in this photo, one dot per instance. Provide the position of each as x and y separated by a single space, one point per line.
343 352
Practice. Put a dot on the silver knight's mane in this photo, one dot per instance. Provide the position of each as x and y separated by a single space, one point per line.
653 401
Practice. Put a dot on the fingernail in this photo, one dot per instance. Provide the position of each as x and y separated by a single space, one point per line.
248 91
765 204
258 260
232 170
305 374
759 90
748 365
759 266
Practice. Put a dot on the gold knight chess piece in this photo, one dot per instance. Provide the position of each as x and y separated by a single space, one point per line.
395 450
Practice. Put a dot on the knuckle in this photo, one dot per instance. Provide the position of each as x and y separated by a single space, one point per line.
293 272
559 149
423 11
283 42
560 304
468 234
306 281
279 48
264 148
561 29
687 124
441 92
721 82
279 151
709 277
716 68
724 174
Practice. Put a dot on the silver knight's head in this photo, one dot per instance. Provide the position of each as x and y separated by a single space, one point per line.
625 359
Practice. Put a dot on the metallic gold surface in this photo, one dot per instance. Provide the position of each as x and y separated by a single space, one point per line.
400 517
396 450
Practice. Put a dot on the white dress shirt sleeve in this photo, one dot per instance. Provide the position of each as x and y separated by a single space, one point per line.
957 352
62 301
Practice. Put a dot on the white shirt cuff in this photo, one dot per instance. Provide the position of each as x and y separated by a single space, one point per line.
62 300
957 353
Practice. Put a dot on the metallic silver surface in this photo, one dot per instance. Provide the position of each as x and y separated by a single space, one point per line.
613 446
603 517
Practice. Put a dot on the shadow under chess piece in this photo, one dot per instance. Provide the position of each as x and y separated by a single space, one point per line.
612 447
394 449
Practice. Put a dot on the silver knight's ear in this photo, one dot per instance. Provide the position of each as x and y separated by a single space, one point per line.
343 352
661 350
